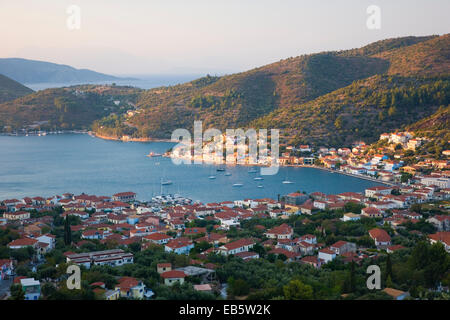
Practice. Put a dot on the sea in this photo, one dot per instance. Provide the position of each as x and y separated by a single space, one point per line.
79 163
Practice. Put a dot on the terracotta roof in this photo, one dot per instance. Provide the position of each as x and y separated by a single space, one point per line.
173 274
379 235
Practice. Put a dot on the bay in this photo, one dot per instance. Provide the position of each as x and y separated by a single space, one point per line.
76 163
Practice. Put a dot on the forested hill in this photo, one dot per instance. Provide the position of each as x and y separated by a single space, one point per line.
324 98
10 89
67 108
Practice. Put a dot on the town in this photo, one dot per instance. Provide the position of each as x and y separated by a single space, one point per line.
130 249
169 247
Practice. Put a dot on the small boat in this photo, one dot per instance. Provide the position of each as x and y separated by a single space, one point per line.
152 154
211 177
220 169
228 174
287 182
237 185
258 178
260 186
166 182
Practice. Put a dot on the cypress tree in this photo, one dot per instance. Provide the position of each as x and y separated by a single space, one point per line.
67 232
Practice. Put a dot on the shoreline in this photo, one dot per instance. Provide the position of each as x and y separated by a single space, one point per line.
303 166
96 135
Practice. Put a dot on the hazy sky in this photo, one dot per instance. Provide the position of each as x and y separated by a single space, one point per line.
202 36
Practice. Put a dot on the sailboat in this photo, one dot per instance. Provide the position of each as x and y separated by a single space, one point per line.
212 176
165 182
286 181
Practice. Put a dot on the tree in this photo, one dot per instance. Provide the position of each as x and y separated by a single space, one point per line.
388 266
297 290
67 232
17 292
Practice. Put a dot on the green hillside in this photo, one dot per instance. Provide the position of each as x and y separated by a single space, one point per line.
65 108
10 89
235 100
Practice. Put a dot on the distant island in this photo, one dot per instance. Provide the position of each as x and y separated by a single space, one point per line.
34 71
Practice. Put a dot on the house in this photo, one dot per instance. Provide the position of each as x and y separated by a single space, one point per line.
282 231
326 255
234 247
203 288
31 288
351 217
179 246
342 247
380 236
370 192
49 239
441 222
296 198
247 255
163 267
371 212
158 238
131 288
309 238
442 237
396 294
312 261
18 215
23 243
113 257
170 277
194 231
124 196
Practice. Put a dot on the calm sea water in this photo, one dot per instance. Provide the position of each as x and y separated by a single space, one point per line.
76 163
139 81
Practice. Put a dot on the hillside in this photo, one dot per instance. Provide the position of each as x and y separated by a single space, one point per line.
33 71
363 110
310 87
65 108
10 89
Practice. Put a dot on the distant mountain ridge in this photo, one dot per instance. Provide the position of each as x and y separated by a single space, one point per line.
10 89
34 71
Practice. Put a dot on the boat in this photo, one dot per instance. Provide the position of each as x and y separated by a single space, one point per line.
152 154
220 169
228 174
237 185
211 177
258 178
286 181
260 186
166 182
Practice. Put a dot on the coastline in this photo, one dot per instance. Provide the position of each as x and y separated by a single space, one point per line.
129 139
305 166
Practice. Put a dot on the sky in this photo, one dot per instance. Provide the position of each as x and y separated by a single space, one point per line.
202 36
